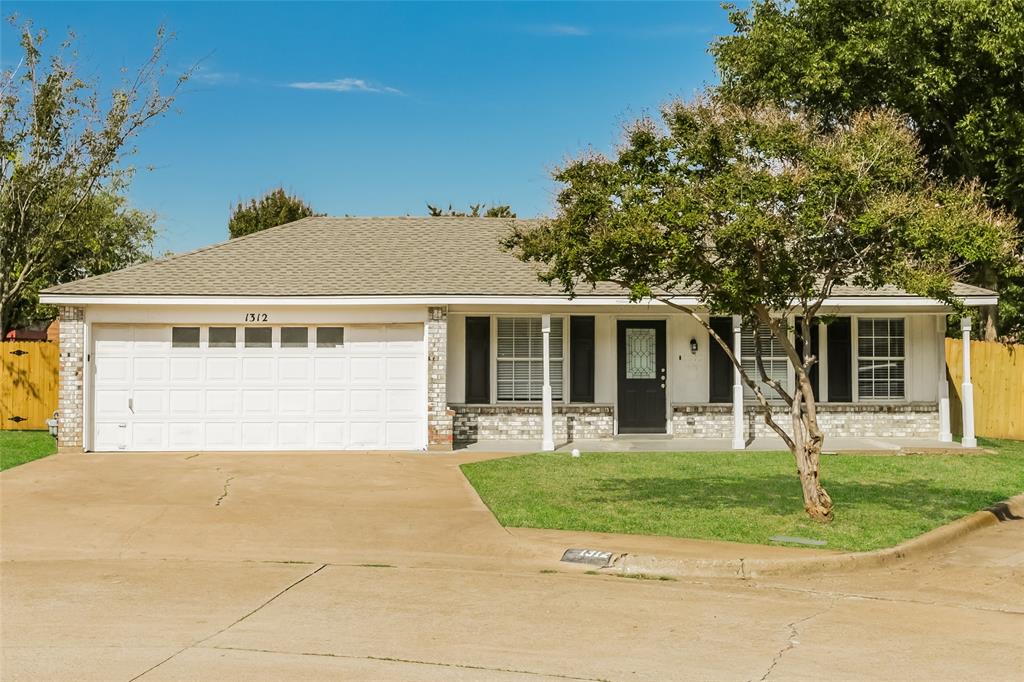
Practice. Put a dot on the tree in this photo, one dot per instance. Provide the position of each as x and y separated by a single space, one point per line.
952 66
758 214
274 208
495 211
62 157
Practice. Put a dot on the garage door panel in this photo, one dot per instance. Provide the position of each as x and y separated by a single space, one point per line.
367 435
258 369
149 403
330 370
258 435
294 370
258 403
329 435
293 435
222 435
111 403
367 370
401 435
184 402
332 402
366 394
188 369
294 401
149 370
149 435
222 369
222 403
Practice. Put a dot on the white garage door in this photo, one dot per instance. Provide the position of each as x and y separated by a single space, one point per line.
259 388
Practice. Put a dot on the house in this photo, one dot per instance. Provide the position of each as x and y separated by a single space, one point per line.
417 333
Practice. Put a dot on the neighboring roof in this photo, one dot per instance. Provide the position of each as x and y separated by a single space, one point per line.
401 256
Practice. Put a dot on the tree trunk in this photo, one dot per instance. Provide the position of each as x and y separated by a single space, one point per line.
989 314
817 503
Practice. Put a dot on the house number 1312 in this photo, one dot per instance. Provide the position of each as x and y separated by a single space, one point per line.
255 317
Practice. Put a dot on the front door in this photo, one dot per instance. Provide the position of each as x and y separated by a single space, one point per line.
641 350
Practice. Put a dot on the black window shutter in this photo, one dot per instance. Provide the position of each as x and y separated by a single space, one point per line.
814 351
478 359
581 359
840 362
720 368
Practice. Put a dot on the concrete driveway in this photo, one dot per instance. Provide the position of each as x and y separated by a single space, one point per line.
385 566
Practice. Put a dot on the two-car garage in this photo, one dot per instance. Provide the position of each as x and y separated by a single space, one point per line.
258 387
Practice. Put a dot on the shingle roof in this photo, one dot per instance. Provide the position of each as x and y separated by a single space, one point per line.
401 256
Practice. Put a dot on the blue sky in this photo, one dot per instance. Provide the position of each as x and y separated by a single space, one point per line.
376 109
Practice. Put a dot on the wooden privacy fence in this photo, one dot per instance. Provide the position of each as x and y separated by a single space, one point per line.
28 383
997 372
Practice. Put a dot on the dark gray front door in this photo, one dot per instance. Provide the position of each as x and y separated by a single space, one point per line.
641 373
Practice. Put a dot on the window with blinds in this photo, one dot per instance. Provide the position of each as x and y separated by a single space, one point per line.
520 358
776 364
881 369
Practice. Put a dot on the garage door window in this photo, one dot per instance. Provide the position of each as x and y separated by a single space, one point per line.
222 337
184 337
294 337
330 337
257 337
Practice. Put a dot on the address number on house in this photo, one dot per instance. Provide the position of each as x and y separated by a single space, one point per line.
255 317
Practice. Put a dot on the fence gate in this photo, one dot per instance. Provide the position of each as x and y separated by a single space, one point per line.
28 383
997 372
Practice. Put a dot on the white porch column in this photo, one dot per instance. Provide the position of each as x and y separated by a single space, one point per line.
945 434
738 441
966 389
548 438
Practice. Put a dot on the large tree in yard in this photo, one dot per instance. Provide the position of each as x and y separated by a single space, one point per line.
63 170
953 67
757 212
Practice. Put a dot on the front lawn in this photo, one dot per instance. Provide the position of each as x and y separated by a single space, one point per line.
18 447
745 496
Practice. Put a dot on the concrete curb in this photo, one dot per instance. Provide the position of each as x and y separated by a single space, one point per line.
629 564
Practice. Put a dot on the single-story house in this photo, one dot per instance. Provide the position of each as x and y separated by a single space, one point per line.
422 333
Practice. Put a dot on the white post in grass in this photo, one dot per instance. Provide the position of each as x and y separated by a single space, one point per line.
548 438
966 389
945 434
738 441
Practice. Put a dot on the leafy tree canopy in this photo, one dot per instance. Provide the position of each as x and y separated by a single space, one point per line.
758 213
952 66
63 151
496 211
274 208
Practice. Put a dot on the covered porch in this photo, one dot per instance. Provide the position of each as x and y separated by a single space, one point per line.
599 376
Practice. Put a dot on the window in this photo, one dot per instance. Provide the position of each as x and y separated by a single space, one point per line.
520 358
773 357
257 337
222 337
184 337
330 337
880 360
294 337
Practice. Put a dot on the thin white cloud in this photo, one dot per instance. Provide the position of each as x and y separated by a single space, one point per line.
559 30
345 85
208 77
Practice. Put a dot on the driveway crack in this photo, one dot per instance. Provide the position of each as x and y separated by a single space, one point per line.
227 484
794 640
228 627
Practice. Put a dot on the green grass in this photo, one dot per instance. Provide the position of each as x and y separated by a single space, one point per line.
18 447
745 496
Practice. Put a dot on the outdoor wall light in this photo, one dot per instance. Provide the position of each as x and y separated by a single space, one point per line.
693 346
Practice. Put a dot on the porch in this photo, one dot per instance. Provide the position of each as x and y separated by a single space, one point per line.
598 377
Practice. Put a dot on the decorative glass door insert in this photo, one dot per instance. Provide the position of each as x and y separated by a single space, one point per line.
640 353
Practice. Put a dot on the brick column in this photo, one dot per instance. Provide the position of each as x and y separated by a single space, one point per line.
71 400
439 416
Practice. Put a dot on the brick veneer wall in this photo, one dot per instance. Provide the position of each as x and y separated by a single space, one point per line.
856 420
513 421
439 416
71 397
